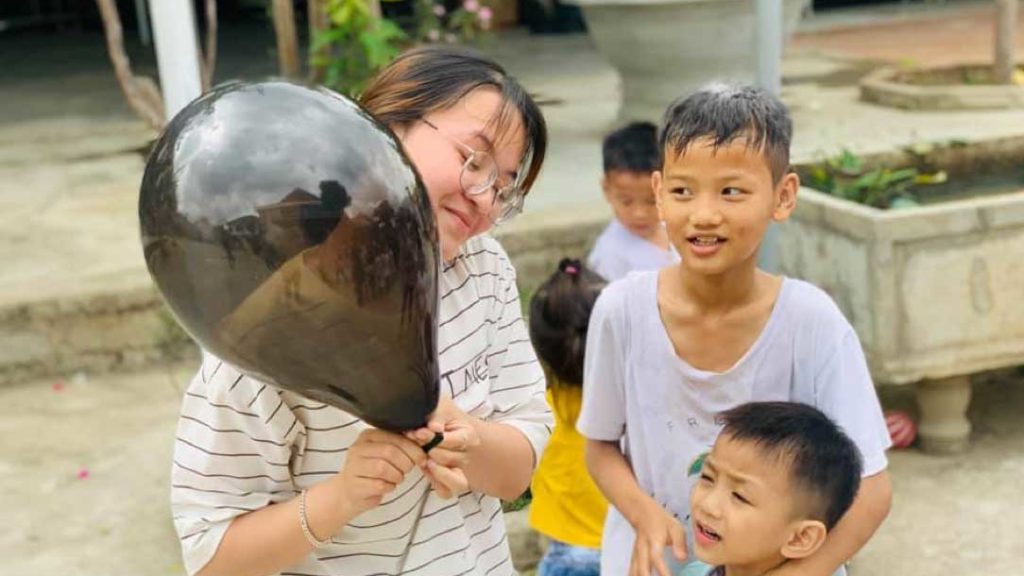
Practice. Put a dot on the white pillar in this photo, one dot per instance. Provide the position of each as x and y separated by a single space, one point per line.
769 76
177 52
769 45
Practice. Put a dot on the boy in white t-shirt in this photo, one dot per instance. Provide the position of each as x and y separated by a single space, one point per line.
668 351
635 239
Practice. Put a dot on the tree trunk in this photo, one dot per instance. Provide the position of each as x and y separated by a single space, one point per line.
318 22
141 92
1006 41
287 40
210 56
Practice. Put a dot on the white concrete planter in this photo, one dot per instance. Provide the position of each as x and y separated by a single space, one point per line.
935 293
666 48
884 87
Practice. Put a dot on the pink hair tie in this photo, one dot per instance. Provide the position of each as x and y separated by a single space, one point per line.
572 270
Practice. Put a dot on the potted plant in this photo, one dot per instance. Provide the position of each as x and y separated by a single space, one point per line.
922 250
665 48
960 87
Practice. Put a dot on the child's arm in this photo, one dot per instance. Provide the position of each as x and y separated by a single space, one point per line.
655 528
846 393
270 539
850 534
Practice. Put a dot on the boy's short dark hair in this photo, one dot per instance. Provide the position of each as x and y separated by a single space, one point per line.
725 112
632 148
825 465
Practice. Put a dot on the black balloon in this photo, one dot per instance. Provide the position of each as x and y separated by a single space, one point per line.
291 237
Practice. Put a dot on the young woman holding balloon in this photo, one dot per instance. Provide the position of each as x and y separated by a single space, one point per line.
266 480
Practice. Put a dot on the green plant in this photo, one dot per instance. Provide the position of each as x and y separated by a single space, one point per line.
845 176
519 503
355 46
357 43
467 23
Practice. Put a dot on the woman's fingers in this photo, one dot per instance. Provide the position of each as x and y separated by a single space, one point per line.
400 451
453 479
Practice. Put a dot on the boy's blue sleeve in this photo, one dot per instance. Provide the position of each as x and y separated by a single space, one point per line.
603 415
846 393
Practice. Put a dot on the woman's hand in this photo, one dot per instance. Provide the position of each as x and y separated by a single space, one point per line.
376 463
655 528
447 461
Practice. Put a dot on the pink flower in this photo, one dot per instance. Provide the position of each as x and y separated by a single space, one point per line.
471 5
83 474
485 14
433 35
439 10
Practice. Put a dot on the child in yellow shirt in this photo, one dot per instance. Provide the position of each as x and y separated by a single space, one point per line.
567 506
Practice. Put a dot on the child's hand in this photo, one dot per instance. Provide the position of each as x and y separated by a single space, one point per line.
376 463
655 529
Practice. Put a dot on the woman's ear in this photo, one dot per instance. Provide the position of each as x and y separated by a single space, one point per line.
785 197
806 538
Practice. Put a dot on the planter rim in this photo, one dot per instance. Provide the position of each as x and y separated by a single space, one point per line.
928 97
989 201
911 224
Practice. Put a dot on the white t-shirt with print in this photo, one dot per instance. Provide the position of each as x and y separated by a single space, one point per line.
638 391
242 444
618 252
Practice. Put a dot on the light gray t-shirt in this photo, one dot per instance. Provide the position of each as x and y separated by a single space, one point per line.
618 252
638 391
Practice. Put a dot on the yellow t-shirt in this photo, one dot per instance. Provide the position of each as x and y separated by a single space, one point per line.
567 506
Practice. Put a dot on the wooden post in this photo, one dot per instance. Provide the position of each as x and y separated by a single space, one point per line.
210 61
142 94
287 40
1006 40
317 23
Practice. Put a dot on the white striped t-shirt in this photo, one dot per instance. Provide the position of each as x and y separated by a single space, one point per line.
242 444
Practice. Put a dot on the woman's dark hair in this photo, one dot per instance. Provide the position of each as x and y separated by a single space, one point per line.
559 315
432 78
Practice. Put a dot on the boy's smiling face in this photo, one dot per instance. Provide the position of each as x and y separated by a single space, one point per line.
717 203
746 512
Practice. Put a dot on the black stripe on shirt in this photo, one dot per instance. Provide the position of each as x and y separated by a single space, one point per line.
257 396
215 405
232 430
227 493
466 309
229 454
466 281
467 336
330 428
517 387
210 475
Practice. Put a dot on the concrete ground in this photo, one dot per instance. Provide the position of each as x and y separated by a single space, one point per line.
84 471
84 483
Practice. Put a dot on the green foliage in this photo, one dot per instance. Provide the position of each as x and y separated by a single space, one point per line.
519 503
845 176
358 44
